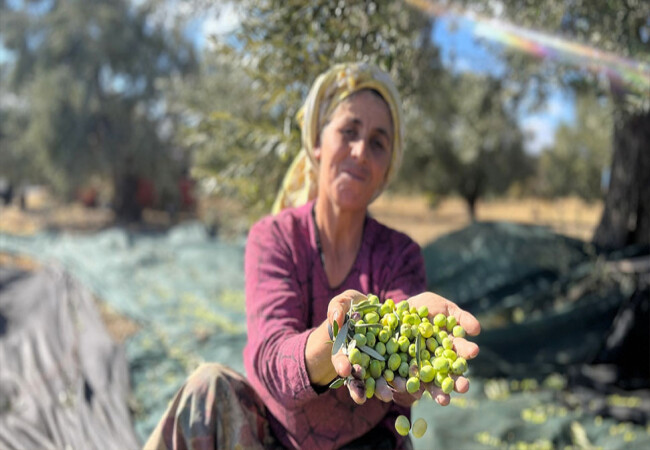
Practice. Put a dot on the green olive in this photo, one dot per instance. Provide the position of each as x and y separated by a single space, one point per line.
404 343
440 320
425 329
459 366
371 317
412 350
451 323
361 339
441 364
370 387
447 385
392 346
412 385
371 339
450 355
354 356
402 425
431 344
375 368
458 331
419 428
403 370
394 361
427 374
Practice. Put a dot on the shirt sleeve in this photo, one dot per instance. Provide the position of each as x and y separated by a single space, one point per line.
277 317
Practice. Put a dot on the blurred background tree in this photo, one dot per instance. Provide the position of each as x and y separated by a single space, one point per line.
245 140
621 28
578 161
479 149
85 94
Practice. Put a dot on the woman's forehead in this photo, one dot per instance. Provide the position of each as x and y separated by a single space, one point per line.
365 106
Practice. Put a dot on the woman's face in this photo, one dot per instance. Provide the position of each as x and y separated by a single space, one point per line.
354 151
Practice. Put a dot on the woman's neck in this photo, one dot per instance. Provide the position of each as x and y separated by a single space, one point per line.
340 233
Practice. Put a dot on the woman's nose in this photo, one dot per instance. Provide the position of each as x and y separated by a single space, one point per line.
359 149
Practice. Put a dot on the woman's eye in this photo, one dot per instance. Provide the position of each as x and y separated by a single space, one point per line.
379 145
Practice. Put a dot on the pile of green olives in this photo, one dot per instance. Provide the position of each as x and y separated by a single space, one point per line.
389 340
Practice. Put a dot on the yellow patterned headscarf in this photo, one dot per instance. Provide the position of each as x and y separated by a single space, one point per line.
300 184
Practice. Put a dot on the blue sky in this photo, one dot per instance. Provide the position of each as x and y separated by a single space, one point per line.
461 51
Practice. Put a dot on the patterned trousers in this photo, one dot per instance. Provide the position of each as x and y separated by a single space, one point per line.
215 408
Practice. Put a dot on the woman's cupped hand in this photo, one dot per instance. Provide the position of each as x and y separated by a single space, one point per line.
395 390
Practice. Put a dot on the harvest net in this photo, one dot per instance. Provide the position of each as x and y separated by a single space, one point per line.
559 319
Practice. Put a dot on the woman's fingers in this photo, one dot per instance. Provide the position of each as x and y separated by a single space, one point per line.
438 395
461 384
465 348
398 384
438 304
341 364
357 390
466 320
340 305
383 391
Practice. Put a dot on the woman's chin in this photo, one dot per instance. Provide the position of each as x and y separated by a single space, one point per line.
352 202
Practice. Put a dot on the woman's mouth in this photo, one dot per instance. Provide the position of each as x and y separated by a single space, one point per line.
355 174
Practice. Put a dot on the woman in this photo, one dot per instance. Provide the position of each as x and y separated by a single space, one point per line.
304 265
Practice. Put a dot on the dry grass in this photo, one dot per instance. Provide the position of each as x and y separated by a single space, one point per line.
413 215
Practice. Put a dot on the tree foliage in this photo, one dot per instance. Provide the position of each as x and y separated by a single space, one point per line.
246 145
244 149
82 92
621 28
581 154
479 148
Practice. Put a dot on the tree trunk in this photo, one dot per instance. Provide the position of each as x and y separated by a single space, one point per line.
626 216
471 207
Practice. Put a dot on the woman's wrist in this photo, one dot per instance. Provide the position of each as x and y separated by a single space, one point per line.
318 356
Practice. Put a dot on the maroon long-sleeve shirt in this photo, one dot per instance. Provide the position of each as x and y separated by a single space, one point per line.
287 294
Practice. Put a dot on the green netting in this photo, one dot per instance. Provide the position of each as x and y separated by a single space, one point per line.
523 414
183 288
546 304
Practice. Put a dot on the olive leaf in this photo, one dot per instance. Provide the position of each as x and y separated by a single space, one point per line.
361 304
337 383
369 325
335 329
418 346
372 352
367 308
340 338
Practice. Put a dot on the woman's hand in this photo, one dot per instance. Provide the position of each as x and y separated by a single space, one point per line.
468 350
336 311
322 366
